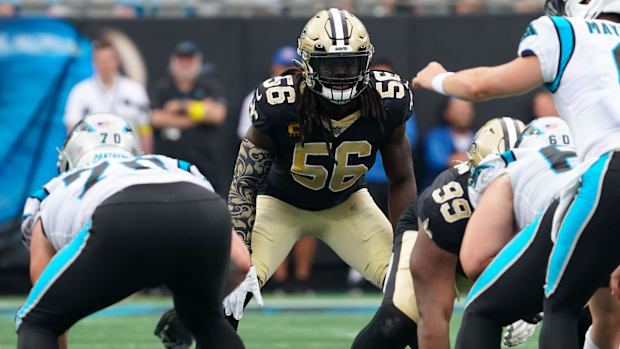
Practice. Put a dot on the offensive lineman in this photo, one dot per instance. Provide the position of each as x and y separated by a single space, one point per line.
577 59
513 192
314 134
445 209
119 223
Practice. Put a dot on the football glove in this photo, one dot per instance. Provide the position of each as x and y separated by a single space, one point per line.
235 301
518 332
172 332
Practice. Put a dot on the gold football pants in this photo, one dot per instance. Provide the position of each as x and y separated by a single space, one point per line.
356 230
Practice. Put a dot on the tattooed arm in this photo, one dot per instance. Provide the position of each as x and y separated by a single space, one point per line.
251 169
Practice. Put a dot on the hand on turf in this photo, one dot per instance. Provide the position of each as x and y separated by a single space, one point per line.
518 332
235 301
172 332
424 78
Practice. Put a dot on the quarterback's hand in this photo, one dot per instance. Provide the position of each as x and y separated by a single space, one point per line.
234 302
518 332
424 78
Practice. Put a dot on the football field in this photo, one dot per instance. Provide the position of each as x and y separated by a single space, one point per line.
302 322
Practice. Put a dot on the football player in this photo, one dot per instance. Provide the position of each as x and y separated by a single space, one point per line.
519 187
394 324
558 52
113 223
443 212
315 132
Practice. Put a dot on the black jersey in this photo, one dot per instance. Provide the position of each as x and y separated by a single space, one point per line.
305 175
408 219
444 208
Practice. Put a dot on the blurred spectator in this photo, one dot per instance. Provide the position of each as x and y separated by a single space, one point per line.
281 60
109 92
543 105
375 177
7 10
188 108
468 7
528 6
446 145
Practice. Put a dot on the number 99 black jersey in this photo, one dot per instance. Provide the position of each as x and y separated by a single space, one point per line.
305 175
444 208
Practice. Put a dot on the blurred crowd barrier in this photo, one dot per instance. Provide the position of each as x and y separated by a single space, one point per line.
236 8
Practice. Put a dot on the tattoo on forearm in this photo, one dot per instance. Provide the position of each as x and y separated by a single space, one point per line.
251 169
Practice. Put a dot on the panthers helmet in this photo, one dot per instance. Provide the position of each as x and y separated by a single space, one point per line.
96 137
496 136
335 52
580 8
549 130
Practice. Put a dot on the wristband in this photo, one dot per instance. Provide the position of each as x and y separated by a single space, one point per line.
438 82
145 129
196 110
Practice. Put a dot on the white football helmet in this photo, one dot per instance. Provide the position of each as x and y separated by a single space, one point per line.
548 130
580 8
98 136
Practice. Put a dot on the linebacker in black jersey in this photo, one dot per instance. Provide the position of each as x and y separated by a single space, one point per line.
301 167
444 210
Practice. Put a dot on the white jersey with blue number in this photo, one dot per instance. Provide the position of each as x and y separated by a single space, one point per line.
68 201
536 177
580 62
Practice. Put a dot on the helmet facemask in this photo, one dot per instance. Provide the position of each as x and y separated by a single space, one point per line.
339 77
335 52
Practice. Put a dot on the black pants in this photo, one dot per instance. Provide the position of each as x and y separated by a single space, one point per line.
176 234
585 253
510 288
390 328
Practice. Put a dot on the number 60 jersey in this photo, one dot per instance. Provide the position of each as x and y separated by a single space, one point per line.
537 176
68 201
305 175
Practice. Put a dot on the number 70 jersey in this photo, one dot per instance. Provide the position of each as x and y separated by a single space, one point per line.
304 174
580 66
68 201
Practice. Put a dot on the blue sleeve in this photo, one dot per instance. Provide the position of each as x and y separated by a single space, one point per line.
438 148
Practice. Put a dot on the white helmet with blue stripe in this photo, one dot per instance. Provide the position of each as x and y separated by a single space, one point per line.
548 130
96 137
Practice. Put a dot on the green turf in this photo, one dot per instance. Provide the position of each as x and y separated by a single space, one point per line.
299 330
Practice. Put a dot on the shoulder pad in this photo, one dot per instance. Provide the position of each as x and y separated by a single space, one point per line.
444 208
541 38
396 94
271 98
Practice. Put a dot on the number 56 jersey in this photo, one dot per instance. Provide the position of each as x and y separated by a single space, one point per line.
68 201
305 175
580 65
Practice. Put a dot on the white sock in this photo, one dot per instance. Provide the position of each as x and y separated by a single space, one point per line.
588 343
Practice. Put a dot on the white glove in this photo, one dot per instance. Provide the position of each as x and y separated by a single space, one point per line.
234 302
518 333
